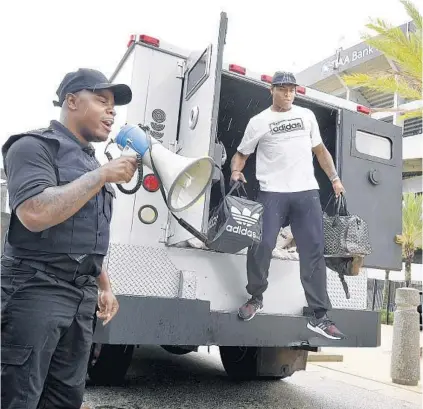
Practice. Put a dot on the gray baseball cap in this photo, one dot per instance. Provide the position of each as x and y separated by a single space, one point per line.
89 79
283 77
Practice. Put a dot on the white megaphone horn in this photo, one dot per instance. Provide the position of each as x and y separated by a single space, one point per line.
184 179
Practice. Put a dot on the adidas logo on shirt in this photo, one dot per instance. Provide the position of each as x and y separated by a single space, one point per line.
287 125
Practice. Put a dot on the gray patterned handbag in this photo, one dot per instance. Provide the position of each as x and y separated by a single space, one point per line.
345 235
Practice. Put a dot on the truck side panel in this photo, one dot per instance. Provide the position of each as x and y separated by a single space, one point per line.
219 279
166 321
198 121
156 87
371 170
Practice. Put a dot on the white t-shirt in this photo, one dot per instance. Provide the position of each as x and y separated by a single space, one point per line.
284 141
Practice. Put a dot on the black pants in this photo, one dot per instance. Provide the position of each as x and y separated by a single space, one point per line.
46 336
304 213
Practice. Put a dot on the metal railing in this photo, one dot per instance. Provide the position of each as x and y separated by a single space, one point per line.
375 291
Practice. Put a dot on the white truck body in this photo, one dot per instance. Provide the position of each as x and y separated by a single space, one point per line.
172 293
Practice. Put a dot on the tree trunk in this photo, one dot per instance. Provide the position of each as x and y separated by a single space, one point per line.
408 271
385 290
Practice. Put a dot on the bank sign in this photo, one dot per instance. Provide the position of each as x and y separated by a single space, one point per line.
349 59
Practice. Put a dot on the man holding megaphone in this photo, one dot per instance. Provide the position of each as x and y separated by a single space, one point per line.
52 276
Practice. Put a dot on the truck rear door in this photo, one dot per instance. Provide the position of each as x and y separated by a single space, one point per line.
198 120
371 170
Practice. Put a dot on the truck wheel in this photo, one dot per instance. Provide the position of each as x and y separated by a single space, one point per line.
108 364
261 363
239 362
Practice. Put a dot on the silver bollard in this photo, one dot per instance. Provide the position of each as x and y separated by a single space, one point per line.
405 359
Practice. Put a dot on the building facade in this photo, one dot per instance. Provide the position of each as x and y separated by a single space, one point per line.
326 76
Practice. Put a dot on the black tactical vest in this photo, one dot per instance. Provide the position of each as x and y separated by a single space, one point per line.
87 231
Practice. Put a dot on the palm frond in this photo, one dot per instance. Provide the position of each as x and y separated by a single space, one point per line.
407 53
416 113
411 220
386 84
404 49
414 14
405 113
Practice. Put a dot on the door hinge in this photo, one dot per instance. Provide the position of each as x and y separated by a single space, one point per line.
174 147
166 232
181 69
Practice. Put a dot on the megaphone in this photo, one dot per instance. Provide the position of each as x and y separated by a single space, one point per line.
184 179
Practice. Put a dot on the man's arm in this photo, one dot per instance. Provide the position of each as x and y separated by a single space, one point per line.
107 302
56 204
326 161
34 195
247 146
103 280
319 149
238 162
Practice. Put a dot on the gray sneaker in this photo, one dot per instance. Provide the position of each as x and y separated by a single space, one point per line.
247 311
324 326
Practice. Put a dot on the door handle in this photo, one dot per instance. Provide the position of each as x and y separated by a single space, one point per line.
374 176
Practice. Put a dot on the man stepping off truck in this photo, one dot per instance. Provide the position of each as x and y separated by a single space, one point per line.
285 137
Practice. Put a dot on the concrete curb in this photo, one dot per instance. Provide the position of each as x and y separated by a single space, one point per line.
323 357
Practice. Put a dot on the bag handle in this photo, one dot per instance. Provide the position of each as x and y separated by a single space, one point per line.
342 204
339 205
237 185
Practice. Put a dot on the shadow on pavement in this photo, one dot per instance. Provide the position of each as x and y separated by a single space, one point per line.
158 379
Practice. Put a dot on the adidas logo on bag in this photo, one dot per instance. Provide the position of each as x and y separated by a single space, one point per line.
244 218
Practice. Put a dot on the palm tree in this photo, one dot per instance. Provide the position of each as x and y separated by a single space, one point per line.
405 53
410 239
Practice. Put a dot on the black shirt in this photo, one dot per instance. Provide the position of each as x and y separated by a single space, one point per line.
30 170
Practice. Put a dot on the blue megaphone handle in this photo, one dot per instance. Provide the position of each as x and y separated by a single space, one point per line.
133 137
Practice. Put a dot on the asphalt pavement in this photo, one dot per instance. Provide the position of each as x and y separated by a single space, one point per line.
160 380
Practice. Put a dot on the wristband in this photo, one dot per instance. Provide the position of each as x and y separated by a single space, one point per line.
334 178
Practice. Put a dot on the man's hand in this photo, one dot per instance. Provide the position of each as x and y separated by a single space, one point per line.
237 175
119 170
108 306
338 187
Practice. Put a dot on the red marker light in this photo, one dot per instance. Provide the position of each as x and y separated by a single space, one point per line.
150 40
237 68
151 183
131 40
301 90
267 78
362 109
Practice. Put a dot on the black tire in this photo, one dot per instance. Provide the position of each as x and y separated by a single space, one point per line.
172 349
108 364
240 363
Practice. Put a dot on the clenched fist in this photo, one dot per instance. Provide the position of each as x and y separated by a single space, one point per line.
120 170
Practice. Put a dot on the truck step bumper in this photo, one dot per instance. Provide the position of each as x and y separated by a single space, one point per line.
175 321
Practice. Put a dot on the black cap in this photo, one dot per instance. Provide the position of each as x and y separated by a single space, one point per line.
282 77
88 79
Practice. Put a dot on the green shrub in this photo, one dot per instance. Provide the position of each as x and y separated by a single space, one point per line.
383 317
